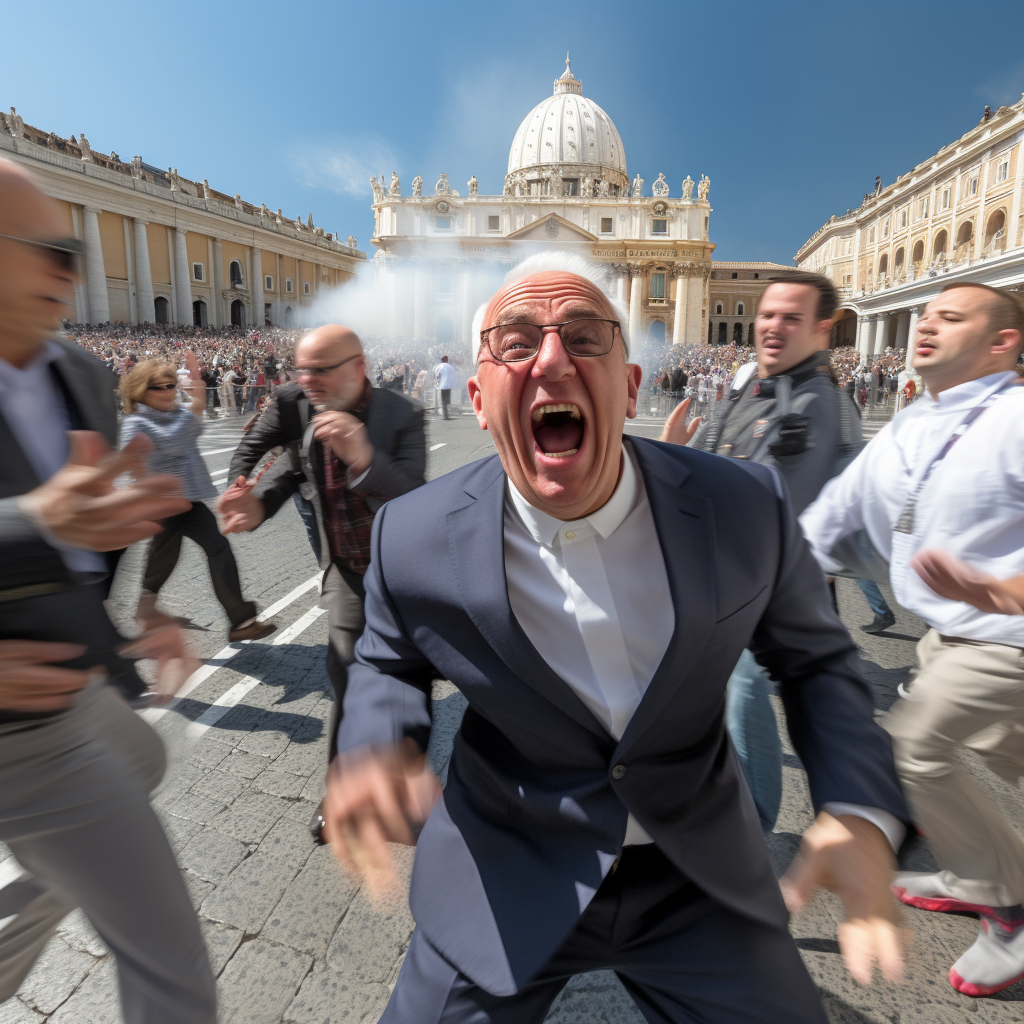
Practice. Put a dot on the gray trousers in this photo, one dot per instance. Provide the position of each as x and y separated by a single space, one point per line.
343 596
75 812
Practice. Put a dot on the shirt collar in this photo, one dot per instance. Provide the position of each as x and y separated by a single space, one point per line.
606 520
970 392
50 352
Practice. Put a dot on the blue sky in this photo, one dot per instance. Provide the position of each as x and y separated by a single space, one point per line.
790 108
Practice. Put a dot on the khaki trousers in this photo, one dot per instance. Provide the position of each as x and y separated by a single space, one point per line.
966 693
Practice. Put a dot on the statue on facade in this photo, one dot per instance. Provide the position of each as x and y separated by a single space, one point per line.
309 222
441 187
586 186
83 145
238 202
4 130
351 242
878 184
136 167
319 232
172 174
638 186
417 186
51 140
704 187
298 222
16 124
660 187
473 185
264 212
378 189
395 188
604 189
688 188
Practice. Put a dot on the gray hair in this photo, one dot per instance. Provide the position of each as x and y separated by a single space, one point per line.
568 263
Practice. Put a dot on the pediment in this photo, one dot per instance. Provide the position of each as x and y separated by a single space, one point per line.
552 228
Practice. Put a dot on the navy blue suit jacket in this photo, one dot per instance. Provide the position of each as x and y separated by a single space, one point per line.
532 815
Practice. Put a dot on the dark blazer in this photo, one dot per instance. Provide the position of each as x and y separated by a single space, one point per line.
394 424
534 810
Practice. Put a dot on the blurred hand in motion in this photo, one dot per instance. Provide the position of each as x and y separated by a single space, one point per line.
373 800
852 858
80 506
239 507
678 429
195 376
955 580
165 644
30 682
347 436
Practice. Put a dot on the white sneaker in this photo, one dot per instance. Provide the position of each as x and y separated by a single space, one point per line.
936 891
994 962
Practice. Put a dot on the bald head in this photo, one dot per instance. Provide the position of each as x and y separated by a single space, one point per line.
36 289
337 353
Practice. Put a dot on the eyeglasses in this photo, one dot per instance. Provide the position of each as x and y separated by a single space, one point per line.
585 337
63 251
162 387
322 371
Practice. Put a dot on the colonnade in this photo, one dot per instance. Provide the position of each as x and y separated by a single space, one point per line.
893 329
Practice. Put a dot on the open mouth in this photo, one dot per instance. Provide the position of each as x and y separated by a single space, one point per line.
558 429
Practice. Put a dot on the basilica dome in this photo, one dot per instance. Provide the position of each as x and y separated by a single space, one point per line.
568 134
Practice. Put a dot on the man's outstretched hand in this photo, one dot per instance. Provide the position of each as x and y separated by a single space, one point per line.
376 799
853 859
80 506
28 680
678 429
239 507
955 580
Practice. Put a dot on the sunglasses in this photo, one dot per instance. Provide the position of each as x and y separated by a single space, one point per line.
322 371
161 387
63 251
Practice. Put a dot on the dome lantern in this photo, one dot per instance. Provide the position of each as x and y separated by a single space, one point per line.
567 81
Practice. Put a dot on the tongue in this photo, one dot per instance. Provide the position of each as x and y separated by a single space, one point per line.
559 436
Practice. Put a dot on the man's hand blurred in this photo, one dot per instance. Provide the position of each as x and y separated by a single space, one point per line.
373 800
28 680
80 506
239 507
955 580
347 437
165 644
853 859
678 429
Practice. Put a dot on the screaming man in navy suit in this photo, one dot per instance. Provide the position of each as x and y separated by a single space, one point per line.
590 595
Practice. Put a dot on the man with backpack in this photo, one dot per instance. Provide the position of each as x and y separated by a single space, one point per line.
790 414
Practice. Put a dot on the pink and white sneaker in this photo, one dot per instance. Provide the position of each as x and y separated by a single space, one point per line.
938 892
994 962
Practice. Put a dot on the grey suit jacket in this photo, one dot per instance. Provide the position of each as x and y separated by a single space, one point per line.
394 424
533 814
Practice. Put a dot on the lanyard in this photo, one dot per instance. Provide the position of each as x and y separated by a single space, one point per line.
905 521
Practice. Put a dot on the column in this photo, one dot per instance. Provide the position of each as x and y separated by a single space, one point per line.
902 326
129 262
636 289
419 306
217 283
95 274
81 301
258 315
143 275
183 291
173 311
862 334
915 312
468 309
872 336
890 325
696 303
213 308
679 323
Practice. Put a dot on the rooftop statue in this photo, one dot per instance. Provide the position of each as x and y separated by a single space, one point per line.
704 187
395 188
378 189
473 185
442 188
417 186
16 124
83 145
638 186
688 188
351 242
660 187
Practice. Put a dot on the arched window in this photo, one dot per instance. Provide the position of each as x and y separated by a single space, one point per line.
737 333
721 333
656 332
739 309
918 252
198 313
750 335
161 308
900 256
995 230
966 233
718 307
883 265
235 273
238 313
939 246
287 316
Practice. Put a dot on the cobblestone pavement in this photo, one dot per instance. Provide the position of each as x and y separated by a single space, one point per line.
292 939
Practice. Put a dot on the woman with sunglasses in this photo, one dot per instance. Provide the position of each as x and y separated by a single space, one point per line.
149 393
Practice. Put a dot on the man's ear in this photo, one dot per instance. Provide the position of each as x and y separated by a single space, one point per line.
1008 341
476 397
634 378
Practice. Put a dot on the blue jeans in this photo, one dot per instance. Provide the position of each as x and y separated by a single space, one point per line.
875 600
750 719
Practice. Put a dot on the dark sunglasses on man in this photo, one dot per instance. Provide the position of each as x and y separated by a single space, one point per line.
63 251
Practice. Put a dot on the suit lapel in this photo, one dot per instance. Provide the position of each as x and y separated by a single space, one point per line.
16 473
475 538
79 389
686 532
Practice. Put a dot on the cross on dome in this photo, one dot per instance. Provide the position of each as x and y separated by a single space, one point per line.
568 82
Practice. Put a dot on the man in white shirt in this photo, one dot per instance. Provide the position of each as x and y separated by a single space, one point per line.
947 475
590 594
445 378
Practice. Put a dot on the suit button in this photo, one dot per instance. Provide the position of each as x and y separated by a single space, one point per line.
618 771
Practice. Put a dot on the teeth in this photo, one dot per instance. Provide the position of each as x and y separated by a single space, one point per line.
560 455
541 411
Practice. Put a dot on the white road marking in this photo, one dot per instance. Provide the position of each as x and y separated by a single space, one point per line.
223 704
434 447
225 654
219 451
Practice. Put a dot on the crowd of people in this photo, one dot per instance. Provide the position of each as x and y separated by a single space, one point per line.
618 613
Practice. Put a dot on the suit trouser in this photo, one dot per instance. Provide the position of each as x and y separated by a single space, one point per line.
446 400
972 694
200 525
343 596
681 956
75 812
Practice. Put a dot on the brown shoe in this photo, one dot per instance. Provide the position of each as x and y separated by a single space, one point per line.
251 630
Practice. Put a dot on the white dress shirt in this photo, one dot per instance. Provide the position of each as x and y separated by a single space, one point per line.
34 410
446 376
592 596
971 506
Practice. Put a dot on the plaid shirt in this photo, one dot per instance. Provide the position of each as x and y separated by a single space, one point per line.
348 520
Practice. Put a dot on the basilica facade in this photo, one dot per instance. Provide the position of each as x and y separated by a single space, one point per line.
568 188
